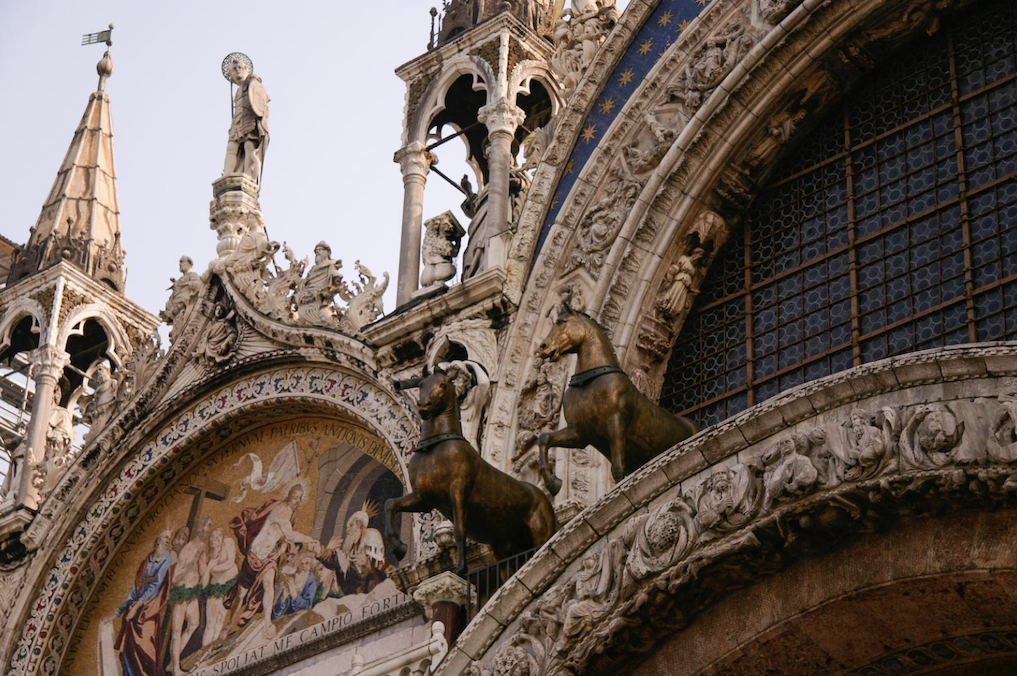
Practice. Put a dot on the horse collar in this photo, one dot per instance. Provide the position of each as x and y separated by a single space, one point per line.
427 444
580 379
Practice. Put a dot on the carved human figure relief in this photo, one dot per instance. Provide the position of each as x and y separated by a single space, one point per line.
248 135
183 291
577 36
539 404
602 223
930 436
101 406
679 289
315 294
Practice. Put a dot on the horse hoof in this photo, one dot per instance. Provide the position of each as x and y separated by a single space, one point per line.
554 485
399 549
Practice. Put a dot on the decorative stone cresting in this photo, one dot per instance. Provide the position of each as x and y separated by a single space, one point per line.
908 437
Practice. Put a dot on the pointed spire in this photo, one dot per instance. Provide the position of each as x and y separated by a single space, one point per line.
80 220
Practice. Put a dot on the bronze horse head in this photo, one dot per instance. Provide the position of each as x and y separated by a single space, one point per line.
602 406
448 474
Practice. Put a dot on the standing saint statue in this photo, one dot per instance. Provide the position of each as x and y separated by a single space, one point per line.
248 138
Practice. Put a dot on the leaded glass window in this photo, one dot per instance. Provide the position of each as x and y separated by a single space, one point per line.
892 228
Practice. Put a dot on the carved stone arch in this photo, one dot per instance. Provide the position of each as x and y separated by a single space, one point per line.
99 513
527 71
705 166
119 344
432 102
19 309
711 530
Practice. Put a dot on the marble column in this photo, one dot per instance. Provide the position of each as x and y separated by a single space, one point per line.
49 363
443 598
414 161
502 118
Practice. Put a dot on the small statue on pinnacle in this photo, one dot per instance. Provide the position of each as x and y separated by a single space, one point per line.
248 138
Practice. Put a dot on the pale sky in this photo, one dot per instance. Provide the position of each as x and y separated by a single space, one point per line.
336 119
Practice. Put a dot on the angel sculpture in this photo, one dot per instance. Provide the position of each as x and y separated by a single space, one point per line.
248 139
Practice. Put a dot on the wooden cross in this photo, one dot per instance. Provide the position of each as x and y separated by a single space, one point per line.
201 489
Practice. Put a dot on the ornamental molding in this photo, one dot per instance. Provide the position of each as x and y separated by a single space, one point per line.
857 452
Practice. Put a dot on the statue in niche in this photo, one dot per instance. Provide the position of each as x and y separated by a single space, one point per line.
248 137
315 294
220 340
59 435
442 238
182 291
473 389
100 408
677 292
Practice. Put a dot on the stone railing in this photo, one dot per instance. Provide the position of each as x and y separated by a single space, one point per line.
914 436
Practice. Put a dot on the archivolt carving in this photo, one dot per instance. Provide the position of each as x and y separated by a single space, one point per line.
800 493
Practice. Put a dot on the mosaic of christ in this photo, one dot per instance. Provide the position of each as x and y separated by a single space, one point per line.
280 530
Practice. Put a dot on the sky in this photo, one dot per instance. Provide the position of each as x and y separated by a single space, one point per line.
335 117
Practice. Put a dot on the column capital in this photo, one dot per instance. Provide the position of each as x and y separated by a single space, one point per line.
48 361
443 588
501 115
415 159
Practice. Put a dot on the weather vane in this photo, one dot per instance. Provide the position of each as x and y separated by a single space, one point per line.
95 38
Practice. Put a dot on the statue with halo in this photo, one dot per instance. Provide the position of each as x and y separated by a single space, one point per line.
248 137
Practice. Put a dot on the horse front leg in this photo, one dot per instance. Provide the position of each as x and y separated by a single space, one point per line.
457 493
411 502
566 437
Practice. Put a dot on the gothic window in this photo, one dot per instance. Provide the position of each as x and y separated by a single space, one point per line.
892 228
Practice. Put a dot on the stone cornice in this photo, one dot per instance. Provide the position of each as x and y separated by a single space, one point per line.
847 454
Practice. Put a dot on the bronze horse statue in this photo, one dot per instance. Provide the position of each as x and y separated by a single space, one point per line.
448 474
602 406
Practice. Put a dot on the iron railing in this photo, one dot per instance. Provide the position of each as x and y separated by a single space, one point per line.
486 581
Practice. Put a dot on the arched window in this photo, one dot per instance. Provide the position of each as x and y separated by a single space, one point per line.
892 228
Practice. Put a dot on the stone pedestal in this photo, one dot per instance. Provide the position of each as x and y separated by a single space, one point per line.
234 200
444 599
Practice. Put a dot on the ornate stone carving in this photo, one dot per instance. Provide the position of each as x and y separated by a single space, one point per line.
772 11
363 297
248 135
728 498
315 294
443 587
704 72
219 343
602 223
277 302
103 403
539 404
789 468
183 291
930 436
577 37
678 289
443 236
139 367
248 263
